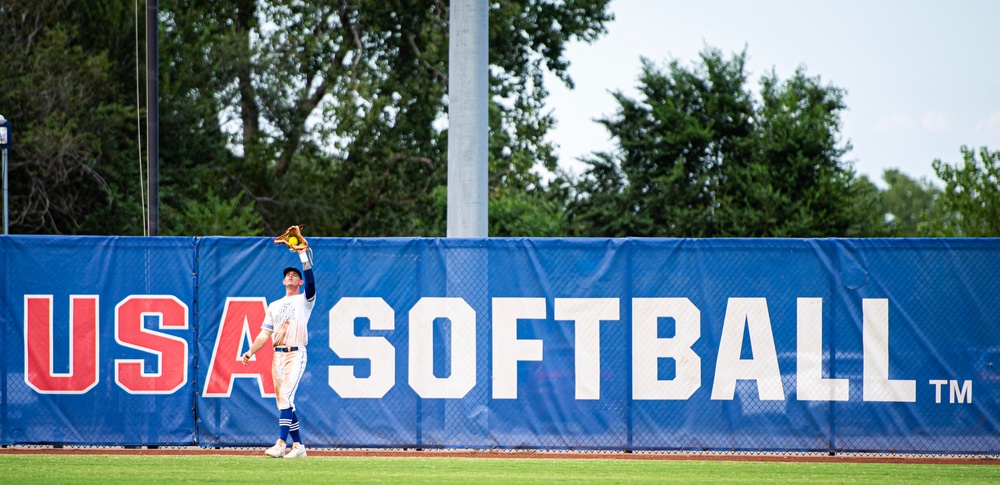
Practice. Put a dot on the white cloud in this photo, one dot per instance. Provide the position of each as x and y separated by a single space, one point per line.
896 122
934 121
990 124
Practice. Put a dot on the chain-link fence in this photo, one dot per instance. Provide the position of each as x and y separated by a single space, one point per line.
641 345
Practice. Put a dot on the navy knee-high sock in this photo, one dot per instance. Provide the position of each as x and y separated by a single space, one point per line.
294 428
284 423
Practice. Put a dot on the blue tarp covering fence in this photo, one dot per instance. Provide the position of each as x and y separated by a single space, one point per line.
885 345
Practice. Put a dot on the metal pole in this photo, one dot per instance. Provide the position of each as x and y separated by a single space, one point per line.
153 116
6 141
5 230
468 125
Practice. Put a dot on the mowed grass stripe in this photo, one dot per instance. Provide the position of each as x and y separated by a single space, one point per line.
150 470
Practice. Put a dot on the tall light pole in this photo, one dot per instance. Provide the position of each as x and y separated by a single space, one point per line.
468 123
6 140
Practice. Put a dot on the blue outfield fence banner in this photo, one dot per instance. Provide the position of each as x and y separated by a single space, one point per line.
839 345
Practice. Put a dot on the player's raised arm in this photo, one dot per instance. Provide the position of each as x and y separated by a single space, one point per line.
307 274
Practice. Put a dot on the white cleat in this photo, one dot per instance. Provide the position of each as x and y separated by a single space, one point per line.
298 451
276 451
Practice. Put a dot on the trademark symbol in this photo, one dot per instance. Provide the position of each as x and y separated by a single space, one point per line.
956 394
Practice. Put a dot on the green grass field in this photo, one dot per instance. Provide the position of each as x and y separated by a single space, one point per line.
149 470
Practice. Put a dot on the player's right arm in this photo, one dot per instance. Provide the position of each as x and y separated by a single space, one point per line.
265 333
258 342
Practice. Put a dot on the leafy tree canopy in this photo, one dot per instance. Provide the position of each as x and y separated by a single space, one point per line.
74 168
908 203
969 205
334 112
329 112
699 155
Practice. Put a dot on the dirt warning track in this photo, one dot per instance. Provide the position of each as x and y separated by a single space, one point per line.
524 454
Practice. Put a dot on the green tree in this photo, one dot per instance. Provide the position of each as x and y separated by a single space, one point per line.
671 146
869 205
908 203
217 217
74 166
600 200
803 186
969 204
698 156
331 112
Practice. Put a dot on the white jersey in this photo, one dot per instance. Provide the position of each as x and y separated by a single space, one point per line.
296 310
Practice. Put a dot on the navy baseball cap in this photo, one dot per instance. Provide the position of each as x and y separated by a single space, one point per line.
291 270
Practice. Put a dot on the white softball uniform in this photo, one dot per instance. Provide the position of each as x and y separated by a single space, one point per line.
295 310
290 357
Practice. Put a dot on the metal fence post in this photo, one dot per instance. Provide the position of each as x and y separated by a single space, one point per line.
5 142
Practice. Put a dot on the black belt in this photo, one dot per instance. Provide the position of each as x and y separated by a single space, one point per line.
285 349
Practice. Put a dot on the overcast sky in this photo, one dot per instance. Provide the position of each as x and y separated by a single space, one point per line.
922 77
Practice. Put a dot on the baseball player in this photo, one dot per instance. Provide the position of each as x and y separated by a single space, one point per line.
285 323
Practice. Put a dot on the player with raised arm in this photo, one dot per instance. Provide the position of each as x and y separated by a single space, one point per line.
286 324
